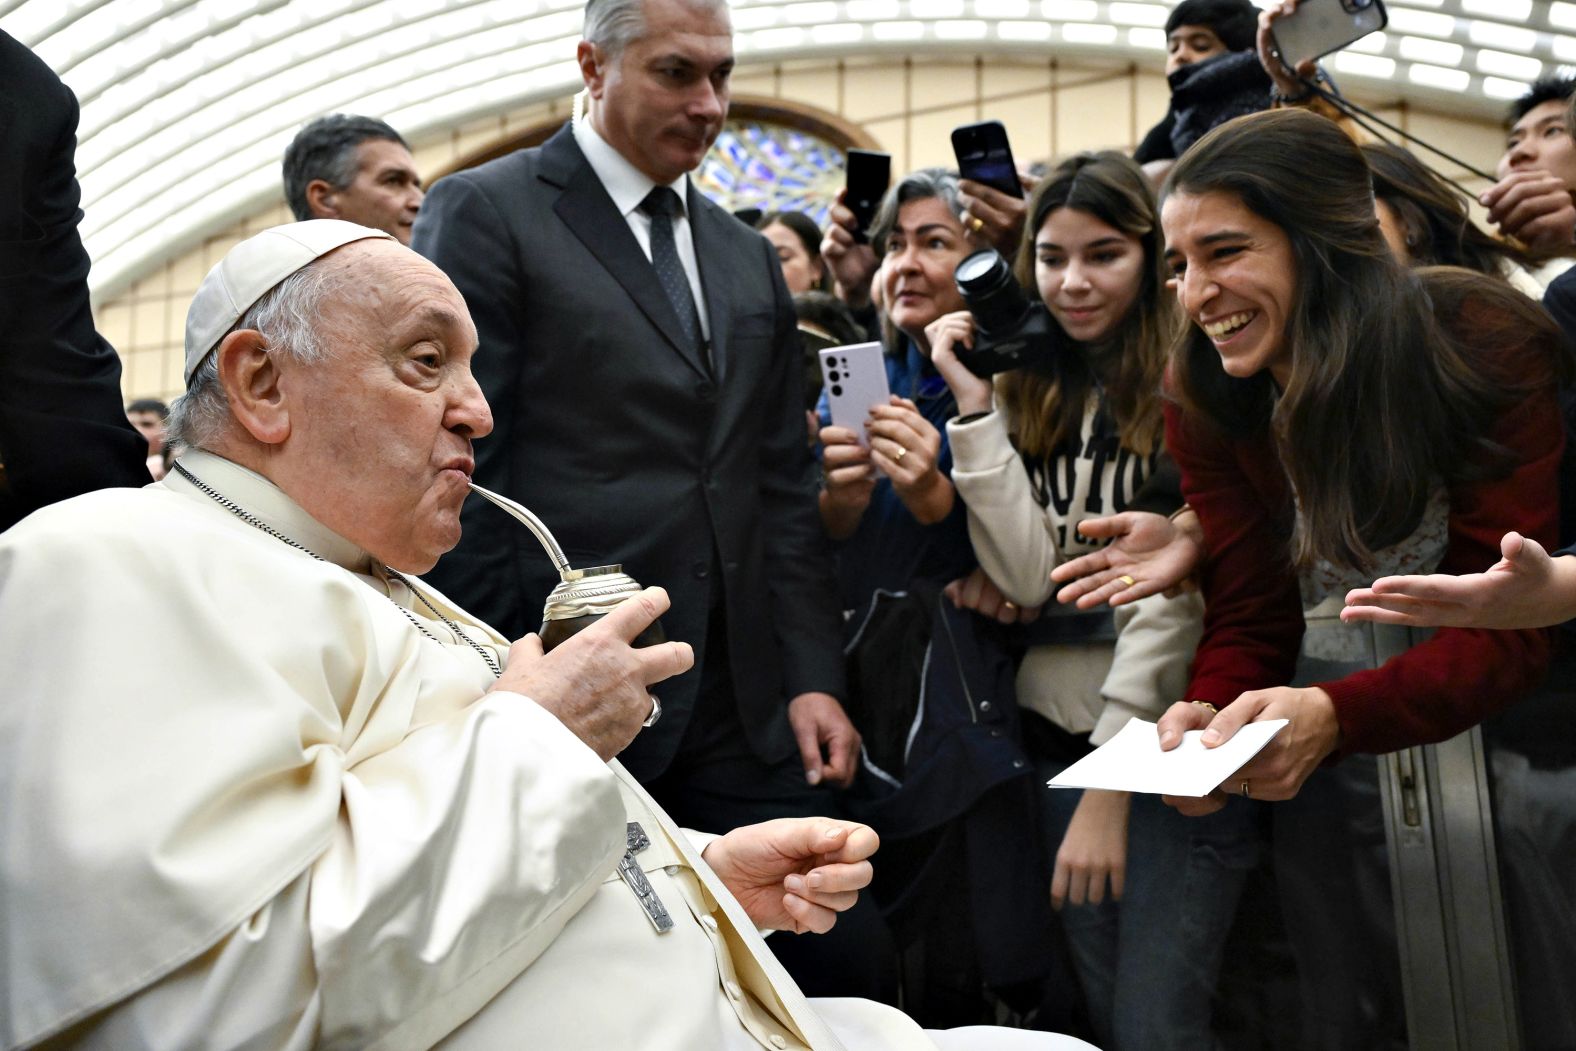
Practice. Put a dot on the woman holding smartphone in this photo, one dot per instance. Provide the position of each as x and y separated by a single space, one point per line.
1035 453
889 499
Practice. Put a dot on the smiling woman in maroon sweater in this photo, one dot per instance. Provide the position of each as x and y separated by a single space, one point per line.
1336 415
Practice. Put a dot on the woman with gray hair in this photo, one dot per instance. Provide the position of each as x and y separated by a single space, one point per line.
930 684
918 240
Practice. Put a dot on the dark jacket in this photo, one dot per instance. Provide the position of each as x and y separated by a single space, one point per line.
615 432
63 430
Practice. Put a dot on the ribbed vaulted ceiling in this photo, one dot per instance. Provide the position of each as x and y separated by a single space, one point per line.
187 104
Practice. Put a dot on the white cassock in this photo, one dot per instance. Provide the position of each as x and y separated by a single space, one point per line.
245 803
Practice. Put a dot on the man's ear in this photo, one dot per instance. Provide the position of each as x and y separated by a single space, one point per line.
593 67
322 199
250 378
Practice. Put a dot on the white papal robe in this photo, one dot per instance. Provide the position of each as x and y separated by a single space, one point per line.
244 803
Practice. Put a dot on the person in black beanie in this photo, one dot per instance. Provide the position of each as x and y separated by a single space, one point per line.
1209 49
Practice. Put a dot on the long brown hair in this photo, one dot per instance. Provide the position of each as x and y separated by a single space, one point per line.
1384 402
1435 215
1047 408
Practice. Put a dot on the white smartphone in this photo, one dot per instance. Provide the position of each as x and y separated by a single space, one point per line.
1319 27
856 382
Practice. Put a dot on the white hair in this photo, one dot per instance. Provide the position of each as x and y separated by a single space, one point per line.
287 316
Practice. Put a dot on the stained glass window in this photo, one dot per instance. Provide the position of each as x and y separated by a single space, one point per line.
773 167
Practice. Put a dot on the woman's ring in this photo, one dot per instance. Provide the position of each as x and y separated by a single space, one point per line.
1126 580
976 223
1245 793
902 451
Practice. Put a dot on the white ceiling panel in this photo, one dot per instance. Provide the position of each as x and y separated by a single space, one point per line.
187 105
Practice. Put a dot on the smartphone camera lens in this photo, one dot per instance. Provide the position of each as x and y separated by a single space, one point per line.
837 391
834 375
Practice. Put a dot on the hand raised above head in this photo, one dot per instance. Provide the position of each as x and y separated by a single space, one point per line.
595 681
852 264
1000 216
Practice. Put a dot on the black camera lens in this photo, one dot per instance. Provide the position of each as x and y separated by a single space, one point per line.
834 375
837 390
986 284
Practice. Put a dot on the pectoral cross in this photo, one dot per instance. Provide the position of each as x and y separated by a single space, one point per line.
636 840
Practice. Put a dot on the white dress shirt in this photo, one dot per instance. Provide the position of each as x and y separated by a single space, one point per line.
628 186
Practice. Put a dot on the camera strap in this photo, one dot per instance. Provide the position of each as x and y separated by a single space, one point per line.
1357 114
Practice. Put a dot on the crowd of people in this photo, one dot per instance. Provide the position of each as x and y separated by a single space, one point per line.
1287 442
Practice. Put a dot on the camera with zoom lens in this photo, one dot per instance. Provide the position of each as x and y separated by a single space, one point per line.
1009 331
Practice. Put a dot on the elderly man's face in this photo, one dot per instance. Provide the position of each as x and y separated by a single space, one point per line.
379 448
662 101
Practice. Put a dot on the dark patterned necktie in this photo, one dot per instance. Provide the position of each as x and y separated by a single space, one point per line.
662 204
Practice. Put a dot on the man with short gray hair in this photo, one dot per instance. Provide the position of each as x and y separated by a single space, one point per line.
641 355
354 168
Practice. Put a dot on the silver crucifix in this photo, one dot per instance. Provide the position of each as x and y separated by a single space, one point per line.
636 840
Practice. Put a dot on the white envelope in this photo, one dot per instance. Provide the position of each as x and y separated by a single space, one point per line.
1133 762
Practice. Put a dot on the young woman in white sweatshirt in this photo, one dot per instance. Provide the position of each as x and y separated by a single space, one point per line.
1146 896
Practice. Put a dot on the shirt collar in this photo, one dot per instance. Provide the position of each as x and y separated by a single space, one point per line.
265 501
624 182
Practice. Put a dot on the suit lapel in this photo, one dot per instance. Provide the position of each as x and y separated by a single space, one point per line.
590 214
715 277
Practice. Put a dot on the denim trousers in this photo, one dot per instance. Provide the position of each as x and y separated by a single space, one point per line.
1149 963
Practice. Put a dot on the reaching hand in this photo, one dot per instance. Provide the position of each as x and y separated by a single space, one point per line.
979 593
1149 554
1279 770
795 874
1524 589
595 682
828 742
852 264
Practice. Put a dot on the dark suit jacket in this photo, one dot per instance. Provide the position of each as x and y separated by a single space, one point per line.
63 430
616 434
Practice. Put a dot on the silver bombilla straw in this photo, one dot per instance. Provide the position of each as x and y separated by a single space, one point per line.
534 524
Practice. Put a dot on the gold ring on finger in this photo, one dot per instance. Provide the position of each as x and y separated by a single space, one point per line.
902 451
1126 580
976 223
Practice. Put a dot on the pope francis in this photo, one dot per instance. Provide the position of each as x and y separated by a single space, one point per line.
264 789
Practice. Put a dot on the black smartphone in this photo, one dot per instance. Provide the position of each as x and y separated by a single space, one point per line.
984 156
1319 27
869 173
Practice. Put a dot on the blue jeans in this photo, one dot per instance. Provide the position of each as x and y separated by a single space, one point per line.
1148 964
